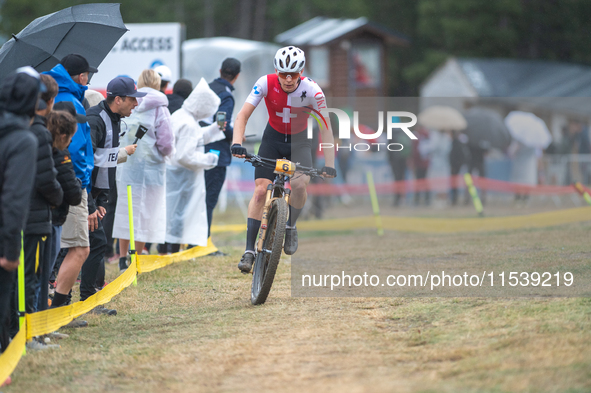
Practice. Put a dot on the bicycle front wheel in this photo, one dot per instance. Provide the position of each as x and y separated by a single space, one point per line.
266 261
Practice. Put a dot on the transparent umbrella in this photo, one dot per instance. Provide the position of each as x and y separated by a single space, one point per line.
441 117
528 129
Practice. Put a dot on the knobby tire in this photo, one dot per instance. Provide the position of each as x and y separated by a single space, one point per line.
265 264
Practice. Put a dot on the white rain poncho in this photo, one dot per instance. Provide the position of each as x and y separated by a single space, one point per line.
145 170
185 178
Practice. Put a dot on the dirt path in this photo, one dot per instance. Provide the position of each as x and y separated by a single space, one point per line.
190 328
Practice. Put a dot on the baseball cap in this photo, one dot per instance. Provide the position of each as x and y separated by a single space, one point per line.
164 72
68 106
123 86
231 66
76 65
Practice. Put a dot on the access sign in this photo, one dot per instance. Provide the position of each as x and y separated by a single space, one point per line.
144 46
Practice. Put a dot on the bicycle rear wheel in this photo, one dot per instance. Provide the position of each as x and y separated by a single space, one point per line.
266 261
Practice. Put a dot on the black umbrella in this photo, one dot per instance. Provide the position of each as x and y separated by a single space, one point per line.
486 129
90 30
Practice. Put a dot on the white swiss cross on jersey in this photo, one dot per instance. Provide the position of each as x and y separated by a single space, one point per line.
287 112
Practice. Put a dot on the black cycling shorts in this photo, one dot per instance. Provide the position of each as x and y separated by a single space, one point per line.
296 148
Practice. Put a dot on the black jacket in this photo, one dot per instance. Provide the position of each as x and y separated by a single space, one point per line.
175 102
47 191
98 132
18 164
71 185
223 89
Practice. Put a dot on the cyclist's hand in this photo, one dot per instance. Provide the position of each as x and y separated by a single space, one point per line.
328 172
238 150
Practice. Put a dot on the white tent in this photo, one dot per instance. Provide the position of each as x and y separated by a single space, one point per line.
202 58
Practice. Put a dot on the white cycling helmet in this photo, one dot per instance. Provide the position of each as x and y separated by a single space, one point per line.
289 59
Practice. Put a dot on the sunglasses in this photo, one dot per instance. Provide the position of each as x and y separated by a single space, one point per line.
284 75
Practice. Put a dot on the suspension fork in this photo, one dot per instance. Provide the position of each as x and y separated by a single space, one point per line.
268 200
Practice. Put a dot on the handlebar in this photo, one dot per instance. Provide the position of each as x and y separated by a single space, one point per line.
257 160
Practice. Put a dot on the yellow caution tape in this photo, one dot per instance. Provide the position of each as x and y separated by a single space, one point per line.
228 228
47 321
12 354
457 225
440 225
147 263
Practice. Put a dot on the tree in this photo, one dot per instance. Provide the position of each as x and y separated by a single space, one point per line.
533 29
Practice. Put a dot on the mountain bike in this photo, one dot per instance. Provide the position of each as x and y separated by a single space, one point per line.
275 214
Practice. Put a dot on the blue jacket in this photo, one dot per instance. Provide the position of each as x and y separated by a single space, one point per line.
81 146
223 89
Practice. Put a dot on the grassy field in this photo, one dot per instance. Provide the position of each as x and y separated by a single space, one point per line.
190 328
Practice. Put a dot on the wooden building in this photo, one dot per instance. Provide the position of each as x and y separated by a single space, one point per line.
346 57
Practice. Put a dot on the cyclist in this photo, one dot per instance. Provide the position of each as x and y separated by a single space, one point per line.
288 96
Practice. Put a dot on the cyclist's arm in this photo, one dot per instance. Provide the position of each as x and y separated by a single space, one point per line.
240 123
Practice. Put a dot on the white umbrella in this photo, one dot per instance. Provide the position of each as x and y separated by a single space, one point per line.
442 118
528 129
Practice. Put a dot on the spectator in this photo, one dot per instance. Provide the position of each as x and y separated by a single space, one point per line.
18 165
575 140
186 211
165 77
93 98
47 194
105 124
524 168
146 170
457 158
62 126
421 162
440 147
476 164
181 90
398 163
71 76
215 177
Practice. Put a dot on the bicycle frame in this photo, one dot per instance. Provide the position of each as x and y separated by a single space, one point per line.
275 190
284 170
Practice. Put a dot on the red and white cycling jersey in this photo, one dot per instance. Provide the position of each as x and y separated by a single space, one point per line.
288 112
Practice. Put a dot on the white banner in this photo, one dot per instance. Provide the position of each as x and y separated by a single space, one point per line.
144 46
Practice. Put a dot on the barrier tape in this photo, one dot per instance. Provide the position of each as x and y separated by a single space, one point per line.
47 321
439 225
442 184
12 355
